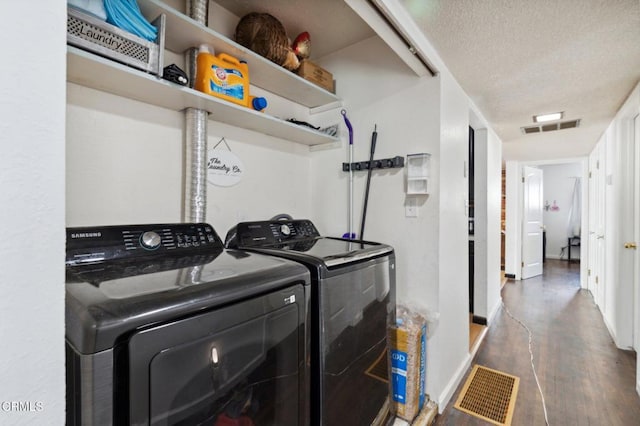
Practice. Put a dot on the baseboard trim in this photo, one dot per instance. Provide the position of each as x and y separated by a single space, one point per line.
479 320
453 384
612 331
555 257
616 339
479 340
495 310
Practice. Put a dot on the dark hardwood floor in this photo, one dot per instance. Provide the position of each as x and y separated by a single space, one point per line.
586 380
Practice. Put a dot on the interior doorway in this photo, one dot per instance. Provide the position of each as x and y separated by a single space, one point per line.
560 178
480 226
471 214
485 240
562 211
477 324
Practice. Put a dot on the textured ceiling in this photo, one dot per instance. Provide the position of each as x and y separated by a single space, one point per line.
514 58
519 58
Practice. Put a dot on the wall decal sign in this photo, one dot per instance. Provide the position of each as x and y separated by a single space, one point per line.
553 208
224 168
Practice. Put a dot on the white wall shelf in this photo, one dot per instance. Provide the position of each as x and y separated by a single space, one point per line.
184 33
418 166
103 74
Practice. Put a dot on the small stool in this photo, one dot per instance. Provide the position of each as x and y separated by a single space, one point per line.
572 242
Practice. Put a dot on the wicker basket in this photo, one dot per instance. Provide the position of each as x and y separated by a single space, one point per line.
97 36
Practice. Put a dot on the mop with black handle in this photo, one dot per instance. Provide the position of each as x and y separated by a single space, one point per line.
374 137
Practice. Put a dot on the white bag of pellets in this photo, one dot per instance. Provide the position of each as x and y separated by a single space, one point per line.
407 353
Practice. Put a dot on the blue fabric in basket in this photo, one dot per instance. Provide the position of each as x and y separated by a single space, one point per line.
92 7
126 14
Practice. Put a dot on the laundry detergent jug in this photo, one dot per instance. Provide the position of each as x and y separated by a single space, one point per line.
223 76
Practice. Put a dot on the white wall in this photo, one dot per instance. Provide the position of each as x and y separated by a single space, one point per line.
494 217
618 307
124 160
487 208
32 98
453 336
407 115
412 115
125 165
407 118
559 180
487 184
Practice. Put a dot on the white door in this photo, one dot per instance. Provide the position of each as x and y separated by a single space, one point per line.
593 224
598 243
596 224
636 306
627 279
532 223
635 219
600 230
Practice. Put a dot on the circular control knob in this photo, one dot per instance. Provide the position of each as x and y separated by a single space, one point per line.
150 240
285 230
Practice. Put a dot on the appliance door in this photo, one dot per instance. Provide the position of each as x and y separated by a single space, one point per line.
357 303
242 364
334 252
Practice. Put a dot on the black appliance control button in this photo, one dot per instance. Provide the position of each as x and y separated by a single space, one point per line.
150 240
285 230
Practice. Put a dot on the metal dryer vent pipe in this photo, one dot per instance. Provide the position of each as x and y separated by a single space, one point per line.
195 205
195 199
198 10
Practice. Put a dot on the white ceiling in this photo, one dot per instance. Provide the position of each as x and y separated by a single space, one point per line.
514 58
517 58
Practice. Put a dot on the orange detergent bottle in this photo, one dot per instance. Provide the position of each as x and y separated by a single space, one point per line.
222 76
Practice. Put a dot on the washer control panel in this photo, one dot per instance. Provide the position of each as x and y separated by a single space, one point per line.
96 244
265 233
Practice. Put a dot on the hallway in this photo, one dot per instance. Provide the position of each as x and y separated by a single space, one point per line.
586 380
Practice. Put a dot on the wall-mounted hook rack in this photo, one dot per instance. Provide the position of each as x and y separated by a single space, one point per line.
386 163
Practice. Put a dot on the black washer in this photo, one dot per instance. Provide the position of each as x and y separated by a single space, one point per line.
165 327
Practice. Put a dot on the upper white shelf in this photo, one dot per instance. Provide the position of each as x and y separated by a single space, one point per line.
184 33
103 74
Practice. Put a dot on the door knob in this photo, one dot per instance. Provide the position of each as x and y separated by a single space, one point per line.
630 245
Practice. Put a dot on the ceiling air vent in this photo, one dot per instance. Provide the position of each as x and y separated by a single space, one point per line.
570 124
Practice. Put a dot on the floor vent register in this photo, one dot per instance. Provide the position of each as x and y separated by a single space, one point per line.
489 395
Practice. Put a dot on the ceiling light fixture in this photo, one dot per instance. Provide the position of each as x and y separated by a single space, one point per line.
542 118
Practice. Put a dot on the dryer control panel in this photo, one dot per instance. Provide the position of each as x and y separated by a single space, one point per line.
267 233
100 243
